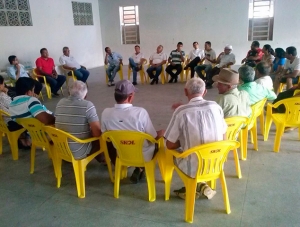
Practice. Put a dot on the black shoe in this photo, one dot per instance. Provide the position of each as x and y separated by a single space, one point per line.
134 83
171 81
137 175
156 81
55 94
152 82
175 81
208 86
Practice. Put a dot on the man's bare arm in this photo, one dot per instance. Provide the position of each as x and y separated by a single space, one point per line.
45 118
95 128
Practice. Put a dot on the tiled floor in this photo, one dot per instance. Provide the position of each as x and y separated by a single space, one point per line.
267 194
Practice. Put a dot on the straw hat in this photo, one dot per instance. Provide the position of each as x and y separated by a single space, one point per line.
227 76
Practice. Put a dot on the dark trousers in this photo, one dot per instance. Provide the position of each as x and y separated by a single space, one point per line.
178 69
55 84
157 71
283 95
213 72
82 74
193 64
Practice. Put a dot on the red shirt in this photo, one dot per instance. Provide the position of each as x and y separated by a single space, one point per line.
257 53
46 64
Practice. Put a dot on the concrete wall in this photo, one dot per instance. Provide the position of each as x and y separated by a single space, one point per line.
53 28
221 21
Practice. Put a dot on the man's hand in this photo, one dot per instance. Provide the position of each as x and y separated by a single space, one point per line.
18 66
160 133
176 105
243 60
5 90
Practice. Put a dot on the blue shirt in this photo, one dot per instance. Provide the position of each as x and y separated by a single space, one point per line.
12 69
276 64
114 58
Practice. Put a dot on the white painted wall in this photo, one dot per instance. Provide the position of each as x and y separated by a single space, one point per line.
53 28
220 21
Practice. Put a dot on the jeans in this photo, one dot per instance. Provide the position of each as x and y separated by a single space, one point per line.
135 69
55 84
157 70
111 72
207 68
178 69
193 64
213 72
82 74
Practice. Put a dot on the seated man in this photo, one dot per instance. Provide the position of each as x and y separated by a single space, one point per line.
193 124
232 101
16 70
114 60
156 61
254 55
78 117
224 60
290 75
69 62
262 71
46 68
175 59
136 62
256 91
196 55
25 105
210 57
124 116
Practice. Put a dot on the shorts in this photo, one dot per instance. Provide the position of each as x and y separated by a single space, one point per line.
294 80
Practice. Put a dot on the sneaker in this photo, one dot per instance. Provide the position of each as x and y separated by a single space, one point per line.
134 83
181 193
112 84
153 81
109 84
205 190
137 175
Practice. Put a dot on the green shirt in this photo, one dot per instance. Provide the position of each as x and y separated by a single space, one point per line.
257 92
235 103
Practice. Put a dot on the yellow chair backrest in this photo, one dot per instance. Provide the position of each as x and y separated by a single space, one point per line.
292 110
257 109
60 140
211 158
35 129
3 126
35 72
129 145
234 125
297 92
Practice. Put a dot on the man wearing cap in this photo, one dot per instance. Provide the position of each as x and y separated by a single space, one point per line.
224 60
192 124
125 116
232 101
256 91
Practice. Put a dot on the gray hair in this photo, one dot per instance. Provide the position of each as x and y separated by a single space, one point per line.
195 86
78 89
247 73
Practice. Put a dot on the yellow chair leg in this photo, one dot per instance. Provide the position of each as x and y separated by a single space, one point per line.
32 158
225 193
268 126
254 133
279 133
108 163
57 167
14 147
190 200
1 143
244 144
237 163
261 123
150 175
118 169
79 170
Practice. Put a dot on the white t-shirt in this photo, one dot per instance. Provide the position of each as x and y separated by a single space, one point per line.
196 53
295 65
211 55
132 118
158 58
137 57
265 81
69 61
226 58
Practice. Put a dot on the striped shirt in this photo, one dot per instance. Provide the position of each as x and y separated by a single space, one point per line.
193 124
74 116
25 106
175 56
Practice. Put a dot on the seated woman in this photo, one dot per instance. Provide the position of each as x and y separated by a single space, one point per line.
5 100
278 63
268 56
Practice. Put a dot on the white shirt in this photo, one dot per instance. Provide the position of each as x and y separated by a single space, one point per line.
196 53
265 81
69 61
295 65
132 118
193 124
158 58
137 57
211 55
225 59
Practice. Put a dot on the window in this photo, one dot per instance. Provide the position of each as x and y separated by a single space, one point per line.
261 20
15 13
129 21
82 13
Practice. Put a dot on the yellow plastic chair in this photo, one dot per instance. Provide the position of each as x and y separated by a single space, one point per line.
129 146
291 118
162 74
211 158
141 72
69 74
120 72
235 125
257 110
61 151
11 136
47 86
281 85
38 138
181 73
